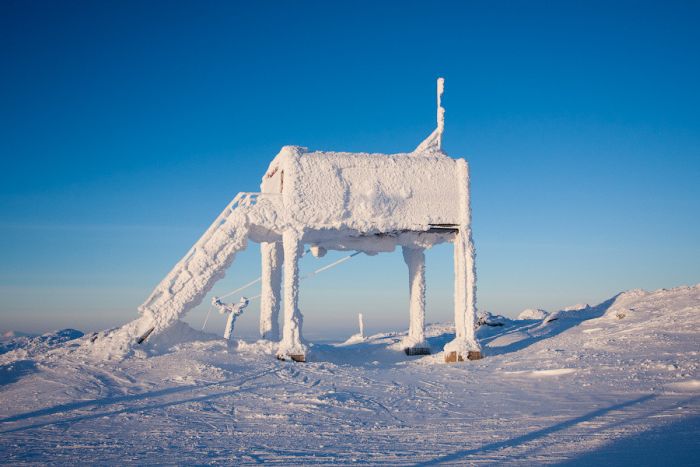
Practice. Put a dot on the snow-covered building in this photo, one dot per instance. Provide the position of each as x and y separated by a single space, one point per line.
334 201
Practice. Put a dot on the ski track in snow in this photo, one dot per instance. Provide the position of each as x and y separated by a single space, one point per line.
587 388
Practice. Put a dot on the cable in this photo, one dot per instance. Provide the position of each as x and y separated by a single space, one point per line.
207 318
324 268
252 283
249 284
309 275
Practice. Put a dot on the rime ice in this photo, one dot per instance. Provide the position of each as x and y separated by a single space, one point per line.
331 201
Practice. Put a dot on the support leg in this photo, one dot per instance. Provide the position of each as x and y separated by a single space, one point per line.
291 345
415 344
464 346
271 293
470 316
229 326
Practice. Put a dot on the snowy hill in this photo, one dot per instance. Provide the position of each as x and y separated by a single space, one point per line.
617 383
27 344
6 336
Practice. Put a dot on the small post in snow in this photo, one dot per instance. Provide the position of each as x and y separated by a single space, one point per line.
234 310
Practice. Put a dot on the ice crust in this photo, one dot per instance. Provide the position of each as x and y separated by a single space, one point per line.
367 202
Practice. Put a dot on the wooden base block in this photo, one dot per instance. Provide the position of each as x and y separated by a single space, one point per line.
417 351
301 358
452 357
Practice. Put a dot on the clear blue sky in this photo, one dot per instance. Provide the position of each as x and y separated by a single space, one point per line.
125 127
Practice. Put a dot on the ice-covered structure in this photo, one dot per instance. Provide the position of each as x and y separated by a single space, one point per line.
333 201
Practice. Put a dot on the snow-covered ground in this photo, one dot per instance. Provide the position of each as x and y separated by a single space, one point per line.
617 383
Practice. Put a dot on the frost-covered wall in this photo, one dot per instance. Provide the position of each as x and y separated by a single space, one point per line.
366 192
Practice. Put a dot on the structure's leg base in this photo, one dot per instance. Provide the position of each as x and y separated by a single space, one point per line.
417 351
301 358
454 357
144 336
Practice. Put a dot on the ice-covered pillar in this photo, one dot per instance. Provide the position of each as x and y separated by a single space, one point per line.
414 344
291 345
271 293
465 300
465 345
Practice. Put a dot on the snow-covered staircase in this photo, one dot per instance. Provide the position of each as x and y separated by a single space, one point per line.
205 263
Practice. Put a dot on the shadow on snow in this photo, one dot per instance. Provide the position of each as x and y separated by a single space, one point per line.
381 350
12 372
108 401
520 334
535 435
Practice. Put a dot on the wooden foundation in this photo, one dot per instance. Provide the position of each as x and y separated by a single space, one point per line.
301 358
452 357
417 351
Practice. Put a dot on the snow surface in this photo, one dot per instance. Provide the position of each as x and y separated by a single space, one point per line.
613 384
24 343
533 313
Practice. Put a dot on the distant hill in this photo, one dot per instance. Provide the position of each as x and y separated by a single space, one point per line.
9 335
13 340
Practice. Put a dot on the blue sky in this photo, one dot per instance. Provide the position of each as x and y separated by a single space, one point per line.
125 127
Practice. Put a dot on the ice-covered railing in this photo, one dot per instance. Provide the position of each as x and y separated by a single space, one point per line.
242 199
180 274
